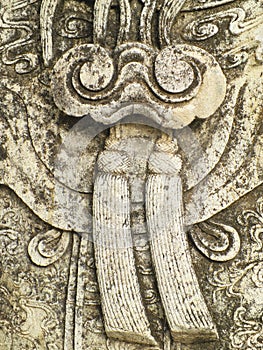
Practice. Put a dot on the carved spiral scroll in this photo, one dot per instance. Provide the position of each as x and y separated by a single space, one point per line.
216 241
182 80
46 248
75 24
176 72
206 27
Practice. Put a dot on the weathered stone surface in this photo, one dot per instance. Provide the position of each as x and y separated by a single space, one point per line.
131 169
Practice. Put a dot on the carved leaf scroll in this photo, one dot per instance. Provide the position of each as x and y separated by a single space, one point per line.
217 241
208 26
46 248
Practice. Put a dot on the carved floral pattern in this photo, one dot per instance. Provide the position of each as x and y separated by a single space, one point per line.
242 281
30 298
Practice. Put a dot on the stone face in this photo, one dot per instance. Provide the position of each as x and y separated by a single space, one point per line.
131 159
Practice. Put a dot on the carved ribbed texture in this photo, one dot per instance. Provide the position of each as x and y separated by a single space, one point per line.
168 14
47 13
101 19
146 21
122 306
185 308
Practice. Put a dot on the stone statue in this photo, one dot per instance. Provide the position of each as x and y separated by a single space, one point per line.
128 130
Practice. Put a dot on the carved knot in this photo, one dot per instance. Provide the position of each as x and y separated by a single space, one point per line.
114 162
165 159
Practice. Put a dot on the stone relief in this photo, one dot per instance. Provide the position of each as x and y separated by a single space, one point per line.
130 171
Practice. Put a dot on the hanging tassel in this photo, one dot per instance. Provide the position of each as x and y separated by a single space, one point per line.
123 310
184 305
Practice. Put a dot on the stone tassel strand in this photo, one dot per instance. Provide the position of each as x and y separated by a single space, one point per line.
185 308
123 310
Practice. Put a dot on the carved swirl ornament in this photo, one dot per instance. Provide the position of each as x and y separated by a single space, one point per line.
166 79
182 78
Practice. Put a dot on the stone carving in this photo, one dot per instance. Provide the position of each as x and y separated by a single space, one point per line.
203 29
39 251
30 300
207 27
242 280
127 125
11 20
227 243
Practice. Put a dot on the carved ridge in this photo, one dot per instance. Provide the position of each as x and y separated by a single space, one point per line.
122 306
